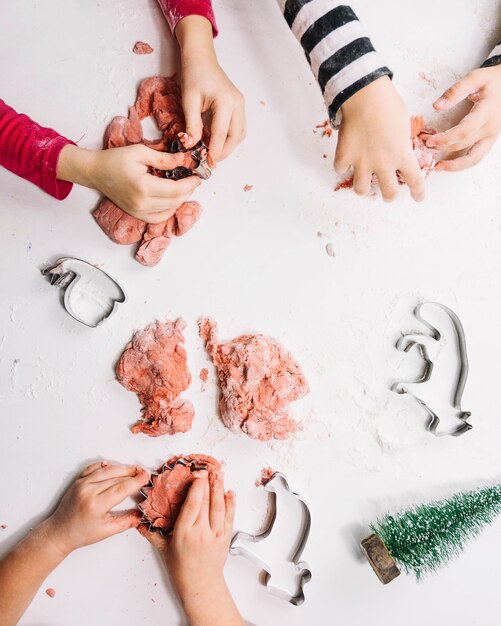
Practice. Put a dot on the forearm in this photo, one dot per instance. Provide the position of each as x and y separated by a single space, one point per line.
24 569
194 35
211 605
341 56
76 165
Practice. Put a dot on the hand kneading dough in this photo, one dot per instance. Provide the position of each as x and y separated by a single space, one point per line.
161 97
153 365
170 488
259 379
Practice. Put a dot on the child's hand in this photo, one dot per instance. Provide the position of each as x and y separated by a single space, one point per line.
374 138
84 514
205 87
121 174
478 130
196 552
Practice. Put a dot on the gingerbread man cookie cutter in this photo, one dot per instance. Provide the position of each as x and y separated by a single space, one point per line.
271 549
448 335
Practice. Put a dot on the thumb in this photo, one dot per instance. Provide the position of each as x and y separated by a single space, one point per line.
192 108
123 520
455 94
161 160
156 539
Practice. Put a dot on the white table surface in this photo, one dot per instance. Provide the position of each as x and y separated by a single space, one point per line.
255 263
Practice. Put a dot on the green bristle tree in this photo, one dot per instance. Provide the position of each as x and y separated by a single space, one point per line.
426 537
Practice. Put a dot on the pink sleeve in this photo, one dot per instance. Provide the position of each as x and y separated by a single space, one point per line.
31 151
175 10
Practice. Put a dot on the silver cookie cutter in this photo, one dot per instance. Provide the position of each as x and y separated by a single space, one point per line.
198 153
194 465
253 546
424 344
81 280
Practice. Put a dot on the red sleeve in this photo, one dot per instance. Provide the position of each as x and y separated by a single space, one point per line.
31 151
175 10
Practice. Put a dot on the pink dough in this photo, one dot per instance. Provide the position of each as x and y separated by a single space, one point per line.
259 379
160 97
153 365
141 47
166 497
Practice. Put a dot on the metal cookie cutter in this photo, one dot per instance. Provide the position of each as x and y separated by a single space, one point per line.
273 550
193 465
90 294
447 336
198 154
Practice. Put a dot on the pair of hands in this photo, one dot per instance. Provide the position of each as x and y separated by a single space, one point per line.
122 175
387 147
194 554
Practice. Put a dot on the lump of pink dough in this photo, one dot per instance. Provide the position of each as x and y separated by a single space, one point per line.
141 47
259 379
166 497
160 97
117 224
425 156
158 236
51 592
204 374
153 365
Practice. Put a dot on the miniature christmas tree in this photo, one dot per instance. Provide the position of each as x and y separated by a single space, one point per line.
425 537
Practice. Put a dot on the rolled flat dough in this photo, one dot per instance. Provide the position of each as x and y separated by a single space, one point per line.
153 365
259 379
166 497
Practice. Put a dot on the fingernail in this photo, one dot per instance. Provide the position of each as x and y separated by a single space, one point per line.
440 102
231 494
104 463
200 474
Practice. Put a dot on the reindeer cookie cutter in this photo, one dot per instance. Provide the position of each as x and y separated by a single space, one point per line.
425 343
91 295
193 465
198 153
250 545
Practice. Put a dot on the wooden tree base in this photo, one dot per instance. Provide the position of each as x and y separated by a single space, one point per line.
381 560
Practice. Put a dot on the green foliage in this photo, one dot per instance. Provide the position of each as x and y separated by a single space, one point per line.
426 537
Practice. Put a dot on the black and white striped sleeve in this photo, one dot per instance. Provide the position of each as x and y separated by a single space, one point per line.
340 54
494 57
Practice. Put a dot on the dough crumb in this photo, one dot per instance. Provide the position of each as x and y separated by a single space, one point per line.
141 47
168 490
248 187
425 156
259 379
51 592
153 365
329 248
262 103
326 128
204 374
264 479
324 155
4 526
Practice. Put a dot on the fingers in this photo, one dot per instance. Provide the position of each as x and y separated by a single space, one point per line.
192 107
203 514
475 154
236 133
172 189
461 136
109 471
92 468
217 507
230 503
219 131
156 217
388 184
191 507
362 181
119 489
124 520
161 160
414 178
455 94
